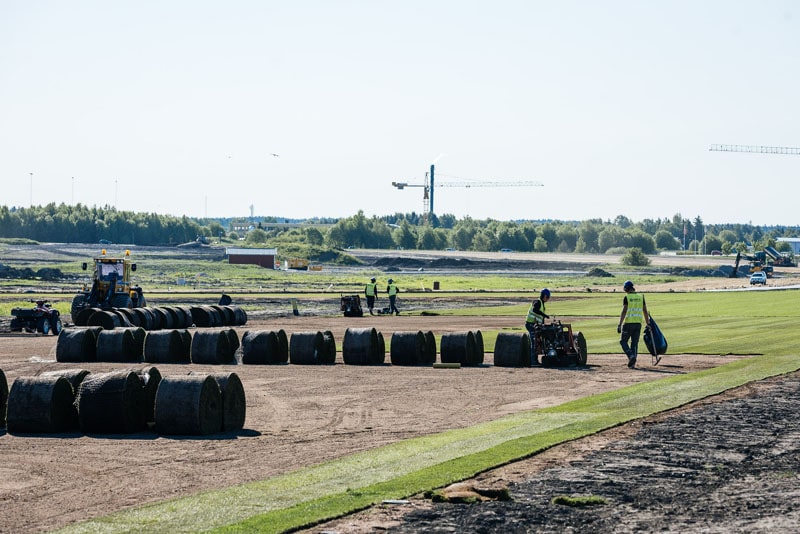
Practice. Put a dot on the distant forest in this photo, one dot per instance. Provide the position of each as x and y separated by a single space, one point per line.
82 224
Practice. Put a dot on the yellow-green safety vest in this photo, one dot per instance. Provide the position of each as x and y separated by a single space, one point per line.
635 312
371 290
532 317
391 289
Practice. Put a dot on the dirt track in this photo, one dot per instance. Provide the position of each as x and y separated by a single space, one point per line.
296 416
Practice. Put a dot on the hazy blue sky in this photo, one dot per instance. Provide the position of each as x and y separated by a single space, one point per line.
178 107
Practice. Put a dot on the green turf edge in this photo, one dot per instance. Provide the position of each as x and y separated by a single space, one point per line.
581 417
736 373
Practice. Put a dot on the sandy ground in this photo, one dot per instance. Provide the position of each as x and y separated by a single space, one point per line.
296 416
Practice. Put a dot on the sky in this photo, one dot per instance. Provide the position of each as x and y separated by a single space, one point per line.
313 108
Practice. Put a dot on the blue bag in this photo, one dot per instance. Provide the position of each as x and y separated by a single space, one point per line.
654 339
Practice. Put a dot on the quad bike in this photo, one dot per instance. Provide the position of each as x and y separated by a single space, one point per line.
558 346
41 318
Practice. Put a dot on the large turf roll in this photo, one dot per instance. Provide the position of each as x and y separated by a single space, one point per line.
132 317
459 347
82 317
512 349
184 314
75 376
139 336
124 315
225 313
41 405
361 346
407 348
107 319
144 318
262 347
188 405
165 346
328 354
186 336
234 404
430 349
166 318
112 403
283 340
205 317
3 398
77 344
479 350
233 339
240 316
212 347
305 348
175 316
150 378
118 346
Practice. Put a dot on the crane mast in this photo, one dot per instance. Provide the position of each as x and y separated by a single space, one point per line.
429 188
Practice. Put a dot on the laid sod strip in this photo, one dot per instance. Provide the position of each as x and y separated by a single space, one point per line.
405 468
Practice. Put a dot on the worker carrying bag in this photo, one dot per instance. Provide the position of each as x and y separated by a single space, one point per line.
654 339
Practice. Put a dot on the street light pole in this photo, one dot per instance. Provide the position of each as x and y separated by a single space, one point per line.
31 188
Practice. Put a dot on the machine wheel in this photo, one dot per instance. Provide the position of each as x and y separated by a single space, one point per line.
55 324
78 303
43 326
580 347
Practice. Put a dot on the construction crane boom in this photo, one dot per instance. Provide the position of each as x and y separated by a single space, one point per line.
429 185
756 149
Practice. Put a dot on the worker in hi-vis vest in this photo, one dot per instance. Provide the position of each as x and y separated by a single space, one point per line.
536 316
634 314
371 291
392 290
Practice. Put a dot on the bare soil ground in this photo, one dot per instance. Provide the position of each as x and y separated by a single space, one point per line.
300 415
296 416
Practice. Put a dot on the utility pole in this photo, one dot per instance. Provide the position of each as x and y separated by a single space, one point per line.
31 188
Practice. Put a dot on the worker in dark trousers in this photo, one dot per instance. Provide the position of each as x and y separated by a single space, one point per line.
371 291
634 314
535 318
392 290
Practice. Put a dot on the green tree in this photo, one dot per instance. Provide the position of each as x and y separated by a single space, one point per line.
634 256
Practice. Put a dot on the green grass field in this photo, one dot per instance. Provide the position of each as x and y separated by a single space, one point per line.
758 323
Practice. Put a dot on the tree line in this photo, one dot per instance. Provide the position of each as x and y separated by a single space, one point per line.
84 224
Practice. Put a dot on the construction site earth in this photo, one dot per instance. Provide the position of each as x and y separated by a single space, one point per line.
724 464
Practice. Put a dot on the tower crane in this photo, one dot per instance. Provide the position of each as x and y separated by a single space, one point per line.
428 186
756 149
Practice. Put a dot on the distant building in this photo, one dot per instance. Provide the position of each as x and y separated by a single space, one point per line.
265 257
794 241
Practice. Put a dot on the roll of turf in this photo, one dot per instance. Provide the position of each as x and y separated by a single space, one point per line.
262 347
430 349
107 319
112 403
234 404
328 354
477 357
458 347
361 346
77 344
41 405
305 348
512 349
407 348
165 346
188 405
118 346
212 347
150 378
